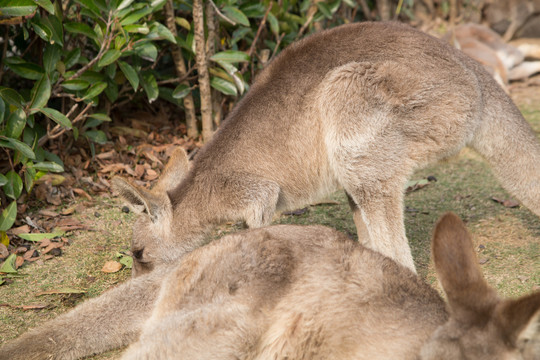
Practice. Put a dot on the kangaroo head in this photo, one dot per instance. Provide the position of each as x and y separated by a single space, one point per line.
481 325
152 241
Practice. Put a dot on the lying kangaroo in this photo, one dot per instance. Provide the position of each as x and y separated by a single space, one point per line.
360 106
292 292
503 61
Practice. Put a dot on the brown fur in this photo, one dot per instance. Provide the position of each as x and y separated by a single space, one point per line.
360 107
291 292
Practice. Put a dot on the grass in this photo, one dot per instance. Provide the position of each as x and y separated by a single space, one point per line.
507 240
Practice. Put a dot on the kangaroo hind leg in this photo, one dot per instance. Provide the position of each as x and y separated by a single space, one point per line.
369 153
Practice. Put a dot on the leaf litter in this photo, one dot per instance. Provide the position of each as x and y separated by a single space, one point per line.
139 154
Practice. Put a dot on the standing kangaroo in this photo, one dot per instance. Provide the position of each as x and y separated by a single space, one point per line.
360 106
292 292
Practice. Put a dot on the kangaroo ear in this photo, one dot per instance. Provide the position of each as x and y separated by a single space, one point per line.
519 321
174 172
139 199
470 298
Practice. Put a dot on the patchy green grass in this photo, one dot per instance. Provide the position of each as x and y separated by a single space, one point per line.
508 240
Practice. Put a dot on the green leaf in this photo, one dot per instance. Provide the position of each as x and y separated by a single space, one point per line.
100 116
240 34
181 91
223 86
8 266
125 260
41 92
15 124
7 218
17 8
42 236
183 23
55 26
109 57
162 32
124 4
29 176
3 180
95 90
91 6
26 70
80 28
17 145
72 57
230 56
147 51
135 16
149 84
256 10
57 117
236 15
11 97
14 186
48 166
130 74
75 85
47 5
2 110
137 29
324 9
274 24
51 56
43 30
96 136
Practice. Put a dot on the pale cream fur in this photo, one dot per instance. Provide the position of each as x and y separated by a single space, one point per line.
292 292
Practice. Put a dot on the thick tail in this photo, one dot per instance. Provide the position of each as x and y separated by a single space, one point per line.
509 144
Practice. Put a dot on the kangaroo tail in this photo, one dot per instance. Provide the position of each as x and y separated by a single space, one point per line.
509 144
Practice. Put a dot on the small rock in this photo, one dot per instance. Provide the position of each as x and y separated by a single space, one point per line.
125 209
431 178
482 261
96 214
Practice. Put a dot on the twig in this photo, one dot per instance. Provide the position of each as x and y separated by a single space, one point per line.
202 67
254 42
58 130
278 42
221 14
4 51
180 67
365 9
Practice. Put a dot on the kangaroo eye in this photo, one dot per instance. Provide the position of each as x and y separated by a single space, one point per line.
137 254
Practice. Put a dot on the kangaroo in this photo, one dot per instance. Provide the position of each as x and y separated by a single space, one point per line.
293 292
505 62
358 107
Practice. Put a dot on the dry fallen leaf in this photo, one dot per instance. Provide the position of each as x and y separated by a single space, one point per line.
111 267
19 230
509 203
81 192
18 262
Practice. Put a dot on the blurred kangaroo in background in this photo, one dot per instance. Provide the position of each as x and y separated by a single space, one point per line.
505 62
293 292
360 106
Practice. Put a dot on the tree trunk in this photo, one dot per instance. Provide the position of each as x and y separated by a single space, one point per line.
211 25
383 6
176 52
202 69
